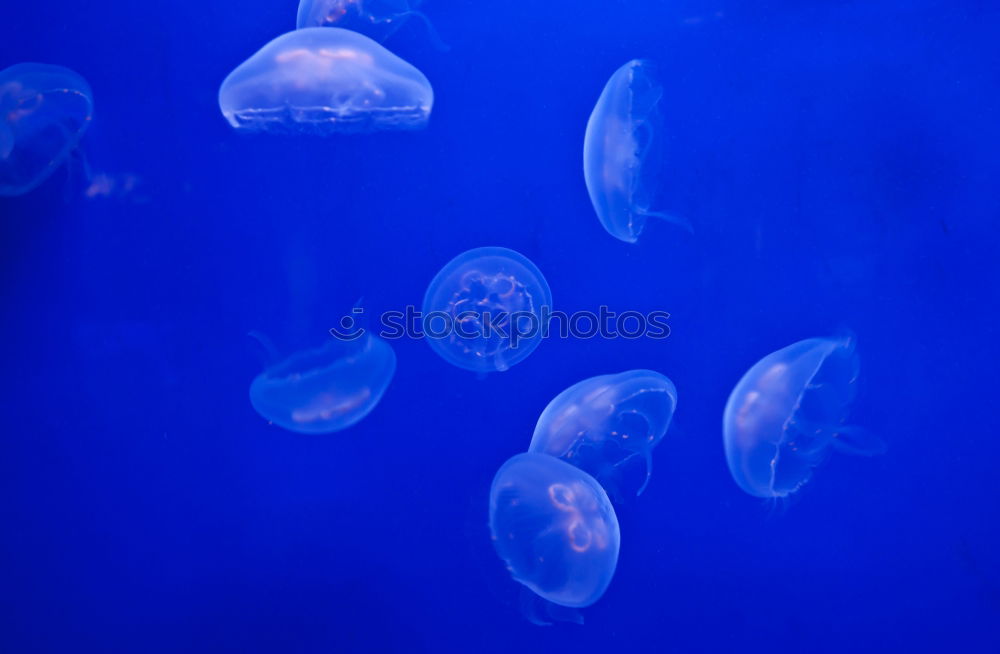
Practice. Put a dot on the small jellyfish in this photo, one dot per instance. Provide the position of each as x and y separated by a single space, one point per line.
554 527
603 424
325 389
376 19
788 411
623 151
44 112
485 310
325 81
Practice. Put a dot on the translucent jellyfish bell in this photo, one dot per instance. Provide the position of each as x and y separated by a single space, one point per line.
44 112
377 19
787 412
484 310
325 81
623 151
604 424
326 389
554 527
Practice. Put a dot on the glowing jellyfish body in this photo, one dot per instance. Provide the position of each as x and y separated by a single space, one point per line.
623 151
326 389
44 112
484 310
325 81
604 423
554 527
377 19
786 413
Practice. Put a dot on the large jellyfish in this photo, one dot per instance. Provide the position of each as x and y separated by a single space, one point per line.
788 411
325 389
44 112
377 19
325 81
604 424
623 151
485 309
554 527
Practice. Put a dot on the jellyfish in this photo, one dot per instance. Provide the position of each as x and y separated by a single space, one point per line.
44 112
376 19
485 310
323 81
326 389
623 151
554 527
788 412
604 424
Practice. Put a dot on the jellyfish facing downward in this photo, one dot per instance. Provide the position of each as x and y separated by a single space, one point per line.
554 527
623 151
44 112
788 412
377 19
325 81
484 310
603 424
326 389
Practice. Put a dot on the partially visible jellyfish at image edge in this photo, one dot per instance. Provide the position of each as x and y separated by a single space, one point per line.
788 413
376 19
324 81
44 112
326 389
623 151
555 529
608 426
484 310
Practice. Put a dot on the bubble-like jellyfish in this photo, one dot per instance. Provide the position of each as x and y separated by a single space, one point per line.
44 112
484 310
623 151
325 389
378 19
788 412
606 423
554 527
325 81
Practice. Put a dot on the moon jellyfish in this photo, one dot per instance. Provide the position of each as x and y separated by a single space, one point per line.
325 81
604 424
377 19
325 389
554 527
44 112
788 412
484 310
623 151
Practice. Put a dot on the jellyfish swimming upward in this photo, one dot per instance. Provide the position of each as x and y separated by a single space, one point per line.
44 112
484 310
604 424
325 389
623 151
377 19
787 413
325 81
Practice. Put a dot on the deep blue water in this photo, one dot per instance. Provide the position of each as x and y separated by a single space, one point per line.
839 162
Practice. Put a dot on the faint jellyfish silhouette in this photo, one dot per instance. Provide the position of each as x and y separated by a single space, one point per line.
604 424
325 81
325 389
377 19
484 310
554 527
44 112
788 411
623 151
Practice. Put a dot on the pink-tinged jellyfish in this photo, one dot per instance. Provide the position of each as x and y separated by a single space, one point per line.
377 19
605 424
484 310
623 151
788 412
325 389
554 527
44 112
325 81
